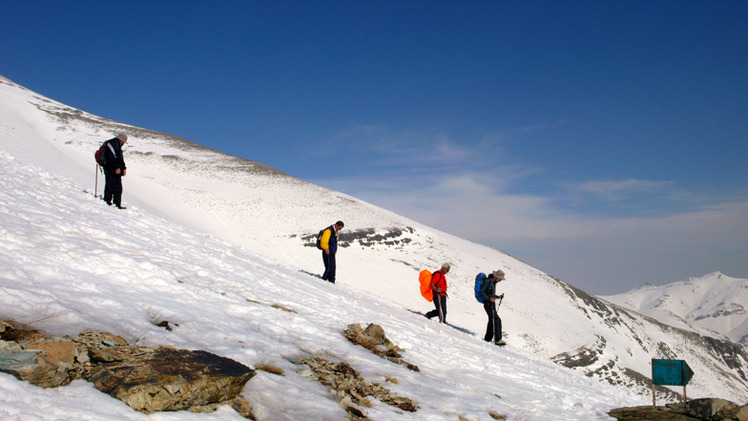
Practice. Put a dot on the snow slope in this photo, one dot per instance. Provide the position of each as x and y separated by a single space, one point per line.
70 264
713 305
270 217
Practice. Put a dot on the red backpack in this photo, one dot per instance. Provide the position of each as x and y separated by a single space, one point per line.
100 155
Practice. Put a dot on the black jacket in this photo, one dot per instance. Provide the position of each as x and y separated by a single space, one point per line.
488 290
114 158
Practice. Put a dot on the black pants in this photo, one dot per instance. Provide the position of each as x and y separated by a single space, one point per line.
493 329
329 261
113 188
440 308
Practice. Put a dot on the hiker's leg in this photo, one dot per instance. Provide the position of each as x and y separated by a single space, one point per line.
117 189
436 311
444 309
327 264
108 187
497 326
489 327
331 268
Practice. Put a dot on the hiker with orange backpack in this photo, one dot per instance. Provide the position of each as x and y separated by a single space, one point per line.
439 290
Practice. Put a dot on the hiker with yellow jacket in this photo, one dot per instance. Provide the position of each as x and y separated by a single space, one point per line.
329 245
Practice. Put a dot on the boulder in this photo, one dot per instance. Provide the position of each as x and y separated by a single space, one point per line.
171 379
709 409
44 363
648 413
703 409
147 379
374 339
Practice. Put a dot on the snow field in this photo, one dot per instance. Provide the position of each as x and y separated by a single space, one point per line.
70 264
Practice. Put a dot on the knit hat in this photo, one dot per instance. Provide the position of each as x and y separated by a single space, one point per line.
122 137
498 274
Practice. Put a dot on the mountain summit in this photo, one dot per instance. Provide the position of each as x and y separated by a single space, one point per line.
713 305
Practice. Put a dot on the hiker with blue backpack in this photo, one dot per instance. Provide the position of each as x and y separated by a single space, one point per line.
485 292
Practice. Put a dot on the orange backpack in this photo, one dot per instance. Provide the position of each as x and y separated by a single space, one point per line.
425 279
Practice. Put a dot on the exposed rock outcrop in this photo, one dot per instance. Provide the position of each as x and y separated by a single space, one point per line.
148 379
168 379
349 389
374 339
697 409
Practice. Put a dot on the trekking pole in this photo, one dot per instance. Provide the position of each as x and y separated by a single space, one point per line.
439 306
499 305
96 183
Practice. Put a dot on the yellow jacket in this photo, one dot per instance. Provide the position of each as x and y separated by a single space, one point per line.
325 240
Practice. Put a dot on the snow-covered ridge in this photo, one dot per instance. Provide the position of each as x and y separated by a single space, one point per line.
272 217
713 305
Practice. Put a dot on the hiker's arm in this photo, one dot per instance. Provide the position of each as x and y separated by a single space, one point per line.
484 290
434 286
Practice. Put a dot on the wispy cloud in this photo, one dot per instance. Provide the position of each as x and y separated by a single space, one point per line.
620 232
413 150
618 190
600 253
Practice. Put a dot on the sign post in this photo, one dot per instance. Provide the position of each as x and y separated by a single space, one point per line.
670 373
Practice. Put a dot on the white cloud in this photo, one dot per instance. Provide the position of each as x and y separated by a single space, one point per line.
618 190
414 150
624 251
624 232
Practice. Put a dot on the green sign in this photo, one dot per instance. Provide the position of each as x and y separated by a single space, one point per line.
671 372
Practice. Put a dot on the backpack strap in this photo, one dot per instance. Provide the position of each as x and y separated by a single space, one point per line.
111 148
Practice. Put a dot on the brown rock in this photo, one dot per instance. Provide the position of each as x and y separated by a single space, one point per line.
56 352
170 379
147 379
648 413
374 339
709 409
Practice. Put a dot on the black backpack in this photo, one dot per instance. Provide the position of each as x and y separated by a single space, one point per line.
319 239
100 155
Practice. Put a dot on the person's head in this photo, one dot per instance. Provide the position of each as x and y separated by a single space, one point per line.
122 138
339 225
446 267
498 275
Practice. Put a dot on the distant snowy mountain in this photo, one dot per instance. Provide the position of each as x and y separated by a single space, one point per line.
713 305
273 215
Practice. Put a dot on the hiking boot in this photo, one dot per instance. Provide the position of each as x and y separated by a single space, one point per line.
499 343
121 207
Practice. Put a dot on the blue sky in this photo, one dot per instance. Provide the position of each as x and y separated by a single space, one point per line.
603 142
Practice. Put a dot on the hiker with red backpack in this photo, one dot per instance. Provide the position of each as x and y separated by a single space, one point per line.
488 296
114 169
439 290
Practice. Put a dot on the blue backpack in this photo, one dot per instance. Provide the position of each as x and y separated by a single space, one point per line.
478 283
